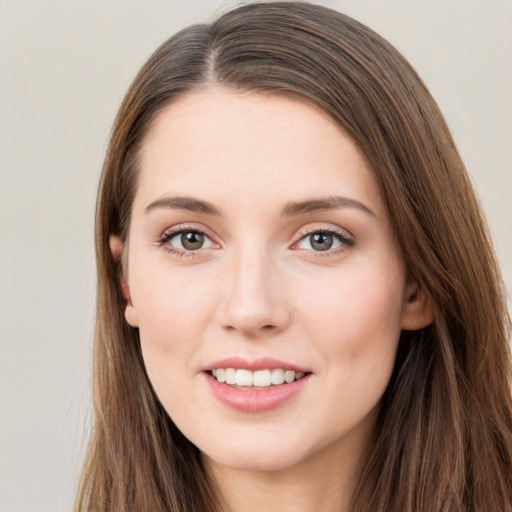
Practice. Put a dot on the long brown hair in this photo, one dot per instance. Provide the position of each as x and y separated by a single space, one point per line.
444 435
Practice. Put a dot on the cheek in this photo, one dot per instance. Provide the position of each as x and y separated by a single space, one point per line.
171 302
356 321
169 334
173 316
355 329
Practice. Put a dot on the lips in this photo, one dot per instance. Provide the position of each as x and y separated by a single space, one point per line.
263 363
255 385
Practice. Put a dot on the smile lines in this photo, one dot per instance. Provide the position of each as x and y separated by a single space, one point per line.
259 378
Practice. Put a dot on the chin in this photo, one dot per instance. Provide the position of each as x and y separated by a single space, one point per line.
270 456
255 462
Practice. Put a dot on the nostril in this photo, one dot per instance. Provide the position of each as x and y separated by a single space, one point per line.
253 312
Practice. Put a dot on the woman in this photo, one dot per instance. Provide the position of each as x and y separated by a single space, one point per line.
298 303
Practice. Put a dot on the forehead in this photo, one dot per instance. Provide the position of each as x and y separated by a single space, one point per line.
221 143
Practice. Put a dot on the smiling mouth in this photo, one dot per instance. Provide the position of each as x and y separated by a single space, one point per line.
260 379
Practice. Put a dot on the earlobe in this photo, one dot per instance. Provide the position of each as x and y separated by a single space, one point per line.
116 248
418 311
131 316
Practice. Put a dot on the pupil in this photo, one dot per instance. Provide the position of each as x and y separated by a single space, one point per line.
321 241
192 240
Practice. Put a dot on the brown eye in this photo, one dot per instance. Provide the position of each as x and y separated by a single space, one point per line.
324 240
321 241
186 240
192 240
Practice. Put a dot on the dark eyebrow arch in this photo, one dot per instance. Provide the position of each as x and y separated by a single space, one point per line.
183 203
327 203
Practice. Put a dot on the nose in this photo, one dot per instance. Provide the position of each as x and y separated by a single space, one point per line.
255 301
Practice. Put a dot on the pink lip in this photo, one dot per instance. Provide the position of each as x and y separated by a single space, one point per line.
263 363
254 400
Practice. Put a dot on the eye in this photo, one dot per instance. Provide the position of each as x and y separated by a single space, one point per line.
186 240
324 240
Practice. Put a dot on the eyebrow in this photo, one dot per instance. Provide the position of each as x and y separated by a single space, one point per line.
290 209
327 203
183 203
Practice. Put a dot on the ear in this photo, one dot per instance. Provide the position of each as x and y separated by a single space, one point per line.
417 312
116 248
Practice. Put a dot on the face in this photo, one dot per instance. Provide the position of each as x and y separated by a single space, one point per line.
264 279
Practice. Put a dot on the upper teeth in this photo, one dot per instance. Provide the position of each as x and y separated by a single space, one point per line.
259 378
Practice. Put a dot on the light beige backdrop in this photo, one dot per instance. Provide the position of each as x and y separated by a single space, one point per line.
64 66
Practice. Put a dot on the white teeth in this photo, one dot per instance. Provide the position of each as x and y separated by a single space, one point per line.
230 376
243 378
277 376
260 378
289 376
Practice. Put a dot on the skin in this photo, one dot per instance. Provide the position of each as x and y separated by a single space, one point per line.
259 288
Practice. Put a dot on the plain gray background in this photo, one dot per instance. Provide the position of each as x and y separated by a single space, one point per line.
64 67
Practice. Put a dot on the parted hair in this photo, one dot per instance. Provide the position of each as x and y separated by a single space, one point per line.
443 439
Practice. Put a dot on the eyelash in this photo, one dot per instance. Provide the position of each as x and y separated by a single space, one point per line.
179 230
345 241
